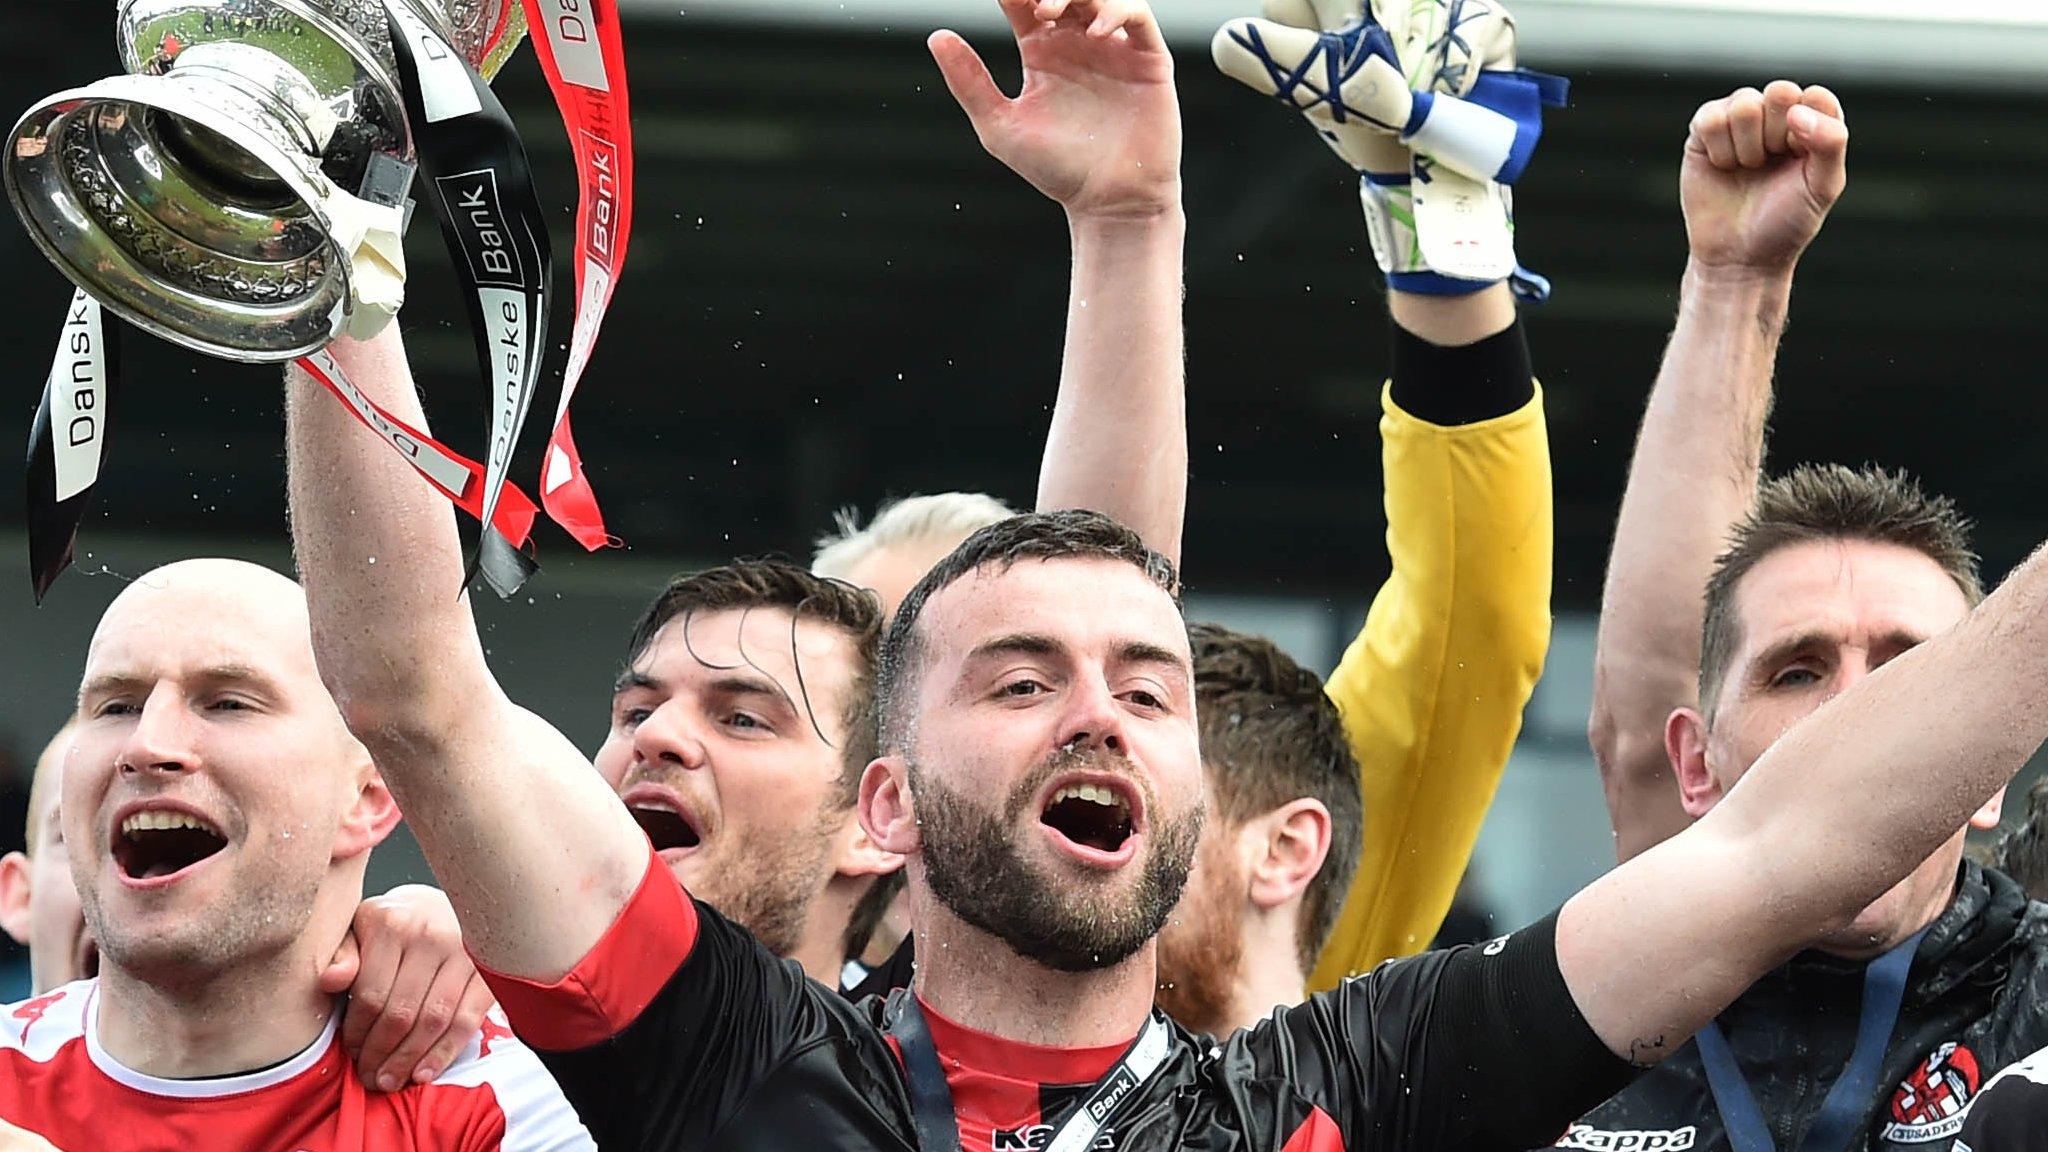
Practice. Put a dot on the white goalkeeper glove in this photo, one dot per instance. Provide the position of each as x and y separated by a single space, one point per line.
1422 98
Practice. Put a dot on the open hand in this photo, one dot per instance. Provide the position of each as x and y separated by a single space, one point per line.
1761 171
1097 124
415 999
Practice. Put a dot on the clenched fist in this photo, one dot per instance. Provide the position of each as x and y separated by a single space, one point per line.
1761 171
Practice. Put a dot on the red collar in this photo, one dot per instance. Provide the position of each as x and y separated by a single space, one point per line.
1013 1059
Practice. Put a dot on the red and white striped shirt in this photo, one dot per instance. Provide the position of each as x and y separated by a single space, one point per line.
56 1080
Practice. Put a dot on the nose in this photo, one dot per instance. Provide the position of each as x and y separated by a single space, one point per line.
668 737
1854 667
162 739
1093 719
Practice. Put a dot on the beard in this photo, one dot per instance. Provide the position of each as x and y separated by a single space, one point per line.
978 871
767 884
1202 947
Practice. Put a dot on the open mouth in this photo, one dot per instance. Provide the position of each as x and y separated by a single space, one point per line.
162 843
665 827
1091 815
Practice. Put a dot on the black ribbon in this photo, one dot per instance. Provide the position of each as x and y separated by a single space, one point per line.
481 186
67 444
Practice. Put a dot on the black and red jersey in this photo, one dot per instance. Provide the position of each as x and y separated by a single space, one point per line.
679 1031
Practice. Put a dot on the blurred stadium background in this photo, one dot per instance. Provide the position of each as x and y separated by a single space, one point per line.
834 296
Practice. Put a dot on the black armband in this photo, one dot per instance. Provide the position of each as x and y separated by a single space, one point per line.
1463 385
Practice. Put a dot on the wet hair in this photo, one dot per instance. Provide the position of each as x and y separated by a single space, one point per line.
1828 502
1271 736
778 584
1034 536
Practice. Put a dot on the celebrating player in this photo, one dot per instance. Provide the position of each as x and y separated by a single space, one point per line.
1041 773
1734 609
414 999
737 727
1431 693
218 818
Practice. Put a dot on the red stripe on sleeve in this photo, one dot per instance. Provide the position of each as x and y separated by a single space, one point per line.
616 980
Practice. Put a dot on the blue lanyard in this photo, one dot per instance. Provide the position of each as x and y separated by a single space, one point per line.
1835 1125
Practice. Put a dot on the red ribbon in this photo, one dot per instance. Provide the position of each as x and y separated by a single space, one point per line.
583 54
456 476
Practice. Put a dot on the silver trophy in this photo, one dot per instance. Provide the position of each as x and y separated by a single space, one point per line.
240 190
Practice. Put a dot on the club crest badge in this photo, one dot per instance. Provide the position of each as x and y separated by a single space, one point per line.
1929 1104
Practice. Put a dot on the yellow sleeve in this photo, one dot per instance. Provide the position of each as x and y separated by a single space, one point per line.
1432 690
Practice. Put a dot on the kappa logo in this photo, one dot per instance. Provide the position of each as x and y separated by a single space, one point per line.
1929 1105
1035 1138
1591 1139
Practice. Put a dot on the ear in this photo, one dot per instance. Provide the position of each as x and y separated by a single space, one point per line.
1985 820
855 853
368 820
1291 842
1685 742
888 812
15 881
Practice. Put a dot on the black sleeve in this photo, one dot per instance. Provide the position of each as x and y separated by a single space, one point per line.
1473 1048
1465 385
2011 1114
686 1063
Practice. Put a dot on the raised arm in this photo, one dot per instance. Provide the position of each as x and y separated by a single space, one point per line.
1837 811
1761 171
1433 688
1097 128
533 849
1431 692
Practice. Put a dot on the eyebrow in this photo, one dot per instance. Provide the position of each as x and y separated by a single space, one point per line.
1015 644
748 686
1035 644
107 683
1792 646
731 685
630 679
1144 652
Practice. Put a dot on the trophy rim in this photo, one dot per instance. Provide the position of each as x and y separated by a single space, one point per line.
54 112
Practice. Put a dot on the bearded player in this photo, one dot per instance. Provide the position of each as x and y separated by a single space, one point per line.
218 818
1040 770
1299 889
737 725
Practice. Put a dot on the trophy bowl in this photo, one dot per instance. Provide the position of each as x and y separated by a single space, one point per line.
213 195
